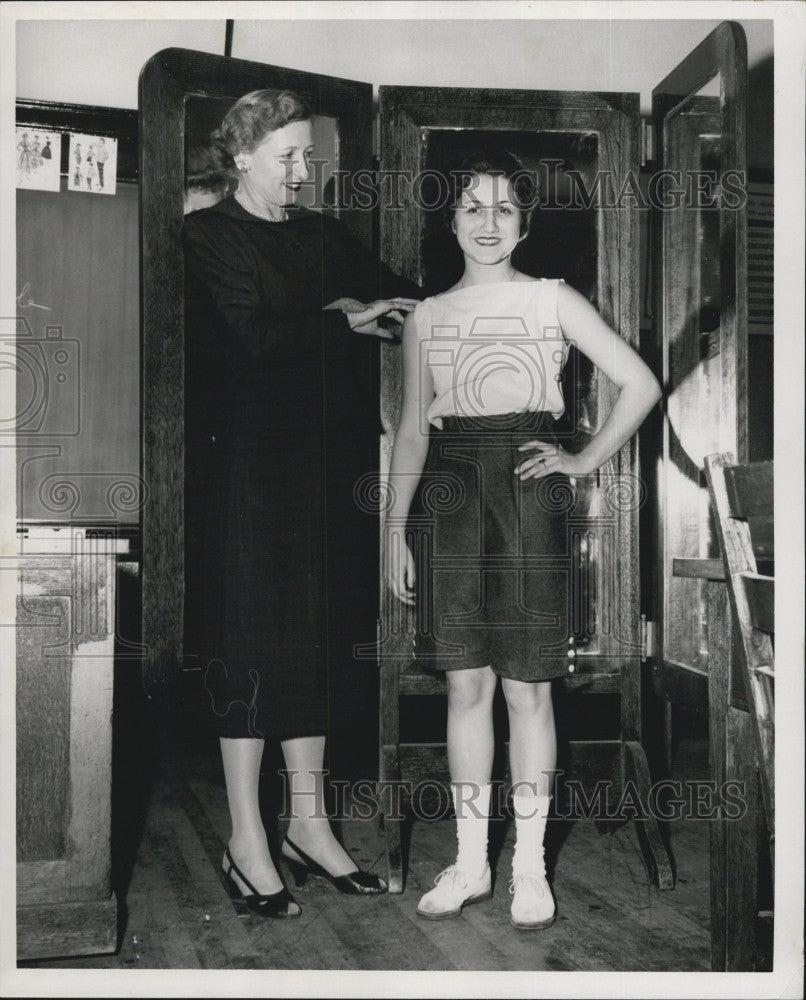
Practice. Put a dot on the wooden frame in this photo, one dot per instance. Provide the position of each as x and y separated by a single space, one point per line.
723 52
167 79
119 123
733 860
407 114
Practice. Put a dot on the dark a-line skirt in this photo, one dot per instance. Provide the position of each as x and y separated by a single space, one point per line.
255 577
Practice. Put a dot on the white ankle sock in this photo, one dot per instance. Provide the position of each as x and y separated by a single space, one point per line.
472 806
531 813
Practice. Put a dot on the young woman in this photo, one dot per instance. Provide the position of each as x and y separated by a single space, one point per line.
481 393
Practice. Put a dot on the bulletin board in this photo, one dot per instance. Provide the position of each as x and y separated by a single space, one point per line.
76 333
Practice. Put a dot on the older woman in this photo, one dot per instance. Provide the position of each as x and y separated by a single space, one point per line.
280 373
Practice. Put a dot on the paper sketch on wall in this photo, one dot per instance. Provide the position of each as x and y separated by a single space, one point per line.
92 164
39 157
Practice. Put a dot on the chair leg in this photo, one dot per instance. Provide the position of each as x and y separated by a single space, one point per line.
718 889
741 848
734 846
719 654
668 737
656 858
389 786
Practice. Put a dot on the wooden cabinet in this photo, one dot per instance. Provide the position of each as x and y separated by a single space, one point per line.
65 624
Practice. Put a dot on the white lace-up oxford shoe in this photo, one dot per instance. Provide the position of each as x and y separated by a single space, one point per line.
454 889
532 903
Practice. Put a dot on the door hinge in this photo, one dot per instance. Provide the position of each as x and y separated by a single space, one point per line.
647 638
647 141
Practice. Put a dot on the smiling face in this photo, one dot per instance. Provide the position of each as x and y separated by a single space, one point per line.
278 165
486 220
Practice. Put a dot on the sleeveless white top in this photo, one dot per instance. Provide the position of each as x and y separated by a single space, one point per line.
493 349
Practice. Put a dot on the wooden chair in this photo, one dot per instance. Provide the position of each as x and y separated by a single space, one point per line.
743 700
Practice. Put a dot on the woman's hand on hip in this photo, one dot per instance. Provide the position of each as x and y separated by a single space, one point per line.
548 459
398 565
364 318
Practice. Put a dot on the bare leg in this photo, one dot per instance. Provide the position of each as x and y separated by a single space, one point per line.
248 844
532 736
532 757
470 724
470 759
310 825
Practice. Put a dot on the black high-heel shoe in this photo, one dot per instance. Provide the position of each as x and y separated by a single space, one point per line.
274 905
355 883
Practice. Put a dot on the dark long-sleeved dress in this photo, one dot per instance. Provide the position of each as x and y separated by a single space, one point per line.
282 422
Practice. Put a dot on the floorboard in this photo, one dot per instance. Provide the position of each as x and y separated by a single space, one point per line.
177 914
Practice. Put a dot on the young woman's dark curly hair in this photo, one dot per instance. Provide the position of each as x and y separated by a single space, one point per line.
523 182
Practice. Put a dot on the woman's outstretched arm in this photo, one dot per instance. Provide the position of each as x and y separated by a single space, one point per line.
638 392
408 459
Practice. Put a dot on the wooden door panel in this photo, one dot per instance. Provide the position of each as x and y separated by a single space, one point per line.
430 129
700 275
182 91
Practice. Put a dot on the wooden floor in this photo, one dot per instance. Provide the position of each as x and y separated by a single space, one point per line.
176 914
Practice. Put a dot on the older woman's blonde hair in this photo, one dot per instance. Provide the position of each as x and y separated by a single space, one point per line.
252 118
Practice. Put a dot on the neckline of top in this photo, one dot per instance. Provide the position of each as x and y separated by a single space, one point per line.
490 284
231 206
